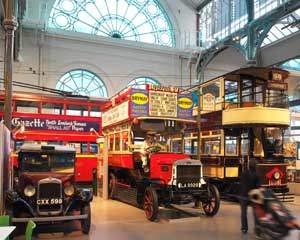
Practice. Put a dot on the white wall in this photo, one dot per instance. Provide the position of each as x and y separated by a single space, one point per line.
47 56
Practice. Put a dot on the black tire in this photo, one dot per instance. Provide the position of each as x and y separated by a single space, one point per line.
150 204
86 223
111 185
211 205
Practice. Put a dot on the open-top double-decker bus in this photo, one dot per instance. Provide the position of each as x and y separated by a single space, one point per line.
139 125
243 116
59 120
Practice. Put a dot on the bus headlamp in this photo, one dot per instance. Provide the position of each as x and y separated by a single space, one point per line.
69 190
276 175
29 191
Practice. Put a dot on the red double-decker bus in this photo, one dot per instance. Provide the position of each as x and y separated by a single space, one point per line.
59 120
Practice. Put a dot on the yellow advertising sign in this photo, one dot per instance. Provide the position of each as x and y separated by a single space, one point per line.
139 98
185 103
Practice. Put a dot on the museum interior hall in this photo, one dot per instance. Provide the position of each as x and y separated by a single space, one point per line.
149 119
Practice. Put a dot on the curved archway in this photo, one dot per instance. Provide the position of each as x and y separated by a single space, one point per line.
136 20
140 82
82 82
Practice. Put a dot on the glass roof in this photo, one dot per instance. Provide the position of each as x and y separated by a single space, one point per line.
293 64
285 27
136 20
82 82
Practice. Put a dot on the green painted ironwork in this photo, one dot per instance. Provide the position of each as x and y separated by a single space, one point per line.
141 82
82 82
136 20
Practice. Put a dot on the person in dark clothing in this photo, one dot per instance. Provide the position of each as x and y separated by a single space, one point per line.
249 181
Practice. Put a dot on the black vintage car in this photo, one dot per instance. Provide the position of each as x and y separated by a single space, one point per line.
44 187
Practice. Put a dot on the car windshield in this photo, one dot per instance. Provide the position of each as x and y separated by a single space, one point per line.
48 162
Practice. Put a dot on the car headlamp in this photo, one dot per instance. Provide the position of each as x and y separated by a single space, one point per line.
276 175
29 191
69 190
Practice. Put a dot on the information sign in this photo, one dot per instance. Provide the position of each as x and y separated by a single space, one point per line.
163 104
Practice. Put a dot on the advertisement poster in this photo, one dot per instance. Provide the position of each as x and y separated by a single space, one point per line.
163 104
185 106
139 103
209 102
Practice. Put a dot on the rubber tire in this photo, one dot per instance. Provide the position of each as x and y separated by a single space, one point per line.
151 201
111 185
86 223
213 192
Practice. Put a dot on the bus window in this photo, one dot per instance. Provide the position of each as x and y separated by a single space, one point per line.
231 145
27 106
125 141
76 146
1 106
77 110
53 108
18 144
84 148
111 142
176 145
93 148
211 145
95 111
117 142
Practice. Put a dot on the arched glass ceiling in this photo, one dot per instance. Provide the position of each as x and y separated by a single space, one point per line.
293 64
82 82
141 82
137 20
285 27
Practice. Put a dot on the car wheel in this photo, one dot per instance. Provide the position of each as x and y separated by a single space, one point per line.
151 204
86 223
211 205
111 185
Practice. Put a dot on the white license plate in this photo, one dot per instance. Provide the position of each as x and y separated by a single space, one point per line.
51 201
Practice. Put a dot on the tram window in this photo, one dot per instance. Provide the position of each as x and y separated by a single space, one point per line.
259 94
111 142
95 111
188 146
93 148
117 142
27 106
230 145
53 108
125 141
274 140
211 145
231 91
244 144
77 110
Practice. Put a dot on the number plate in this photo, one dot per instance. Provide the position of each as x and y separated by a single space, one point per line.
51 201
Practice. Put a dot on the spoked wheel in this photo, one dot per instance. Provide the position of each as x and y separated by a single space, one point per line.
211 205
111 185
151 204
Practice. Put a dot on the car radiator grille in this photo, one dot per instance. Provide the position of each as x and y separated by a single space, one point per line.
188 173
49 190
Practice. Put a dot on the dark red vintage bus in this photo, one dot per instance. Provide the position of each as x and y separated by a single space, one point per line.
52 119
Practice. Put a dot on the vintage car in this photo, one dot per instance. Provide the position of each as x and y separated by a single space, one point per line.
44 187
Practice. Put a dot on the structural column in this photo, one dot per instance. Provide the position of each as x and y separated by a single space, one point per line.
10 25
